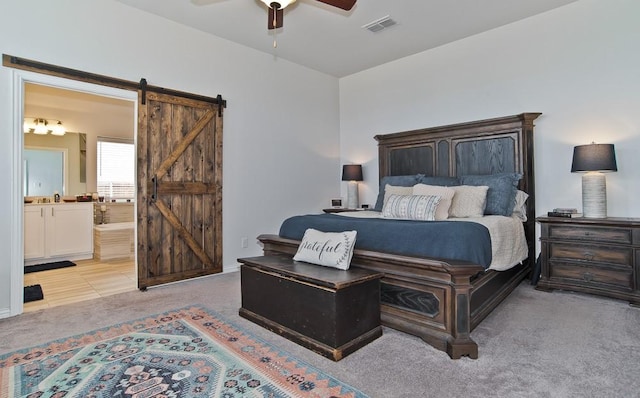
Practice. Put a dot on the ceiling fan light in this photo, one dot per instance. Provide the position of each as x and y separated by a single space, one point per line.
280 3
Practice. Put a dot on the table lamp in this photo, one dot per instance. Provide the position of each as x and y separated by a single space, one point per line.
593 159
353 174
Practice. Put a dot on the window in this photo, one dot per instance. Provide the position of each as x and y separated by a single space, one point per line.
116 168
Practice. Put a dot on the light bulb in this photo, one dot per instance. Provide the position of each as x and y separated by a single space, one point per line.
58 129
40 127
26 126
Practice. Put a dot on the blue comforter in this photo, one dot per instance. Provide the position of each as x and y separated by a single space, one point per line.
466 241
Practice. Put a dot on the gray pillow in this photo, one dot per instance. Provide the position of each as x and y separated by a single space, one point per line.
398 181
501 196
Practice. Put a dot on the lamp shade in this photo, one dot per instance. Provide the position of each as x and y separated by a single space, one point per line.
352 172
594 157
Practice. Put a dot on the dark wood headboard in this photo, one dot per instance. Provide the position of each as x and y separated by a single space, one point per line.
492 146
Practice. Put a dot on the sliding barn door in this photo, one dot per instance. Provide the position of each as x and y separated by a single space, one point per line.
179 189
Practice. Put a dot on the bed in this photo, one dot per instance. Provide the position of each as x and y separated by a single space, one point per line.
442 299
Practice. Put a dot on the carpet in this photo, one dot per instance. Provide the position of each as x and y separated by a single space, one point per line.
48 266
33 293
188 352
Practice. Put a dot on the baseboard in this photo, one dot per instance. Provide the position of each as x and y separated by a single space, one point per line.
72 257
5 312
230 268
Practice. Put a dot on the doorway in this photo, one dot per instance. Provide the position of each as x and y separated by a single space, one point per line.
171 179
21 79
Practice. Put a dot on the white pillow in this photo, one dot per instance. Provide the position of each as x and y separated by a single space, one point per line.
445 193
395 190
468 201
331 249
520 209
411 207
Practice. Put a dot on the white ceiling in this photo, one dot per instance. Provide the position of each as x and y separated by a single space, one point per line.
315 35
333 41
80 112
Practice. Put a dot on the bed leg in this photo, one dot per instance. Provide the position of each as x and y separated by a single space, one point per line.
459 348
460 344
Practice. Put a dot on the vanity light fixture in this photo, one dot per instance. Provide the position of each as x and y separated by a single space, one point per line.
43 126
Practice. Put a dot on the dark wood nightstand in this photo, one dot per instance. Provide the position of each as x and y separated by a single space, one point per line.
338 210
591 255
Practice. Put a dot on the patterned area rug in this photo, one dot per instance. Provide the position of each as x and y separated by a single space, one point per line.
189 352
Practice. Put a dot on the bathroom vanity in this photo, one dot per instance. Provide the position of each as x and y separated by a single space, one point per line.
57 231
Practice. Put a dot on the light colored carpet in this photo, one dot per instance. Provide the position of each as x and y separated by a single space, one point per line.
535 344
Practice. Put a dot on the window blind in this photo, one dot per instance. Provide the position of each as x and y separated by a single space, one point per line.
116 168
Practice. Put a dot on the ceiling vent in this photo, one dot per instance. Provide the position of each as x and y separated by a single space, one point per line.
379 24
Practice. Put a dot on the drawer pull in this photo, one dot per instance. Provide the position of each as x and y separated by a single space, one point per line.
587 276
589 256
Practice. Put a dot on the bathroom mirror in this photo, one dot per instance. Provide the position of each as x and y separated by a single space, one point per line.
54 163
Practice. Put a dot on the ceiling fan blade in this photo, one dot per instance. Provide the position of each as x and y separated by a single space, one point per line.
275 18
344 4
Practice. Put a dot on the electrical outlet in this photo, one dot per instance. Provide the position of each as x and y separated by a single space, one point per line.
244 242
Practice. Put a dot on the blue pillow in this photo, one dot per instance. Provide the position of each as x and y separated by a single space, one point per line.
440 181
398 181
501 196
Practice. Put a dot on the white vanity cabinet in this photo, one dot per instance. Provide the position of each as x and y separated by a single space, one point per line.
57 231
34 232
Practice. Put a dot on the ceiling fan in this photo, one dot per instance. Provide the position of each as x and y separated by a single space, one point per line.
276 8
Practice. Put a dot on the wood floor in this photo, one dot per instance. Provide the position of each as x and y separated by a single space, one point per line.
89 279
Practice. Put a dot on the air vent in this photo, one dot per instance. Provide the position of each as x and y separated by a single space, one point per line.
379 24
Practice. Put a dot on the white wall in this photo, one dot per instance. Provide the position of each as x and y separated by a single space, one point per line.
281 126
579 65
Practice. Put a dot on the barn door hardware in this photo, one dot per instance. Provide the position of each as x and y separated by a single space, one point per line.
143 89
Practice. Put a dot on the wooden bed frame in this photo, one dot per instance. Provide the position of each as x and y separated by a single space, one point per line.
441 300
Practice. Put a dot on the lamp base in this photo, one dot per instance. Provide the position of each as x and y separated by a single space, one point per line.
594 195
352 195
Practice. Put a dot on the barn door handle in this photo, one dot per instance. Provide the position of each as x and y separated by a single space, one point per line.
154 195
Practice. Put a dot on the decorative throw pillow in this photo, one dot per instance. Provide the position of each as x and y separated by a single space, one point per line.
520 209
398 181
395 190
331 249
411 207
468 201
501 195
445 193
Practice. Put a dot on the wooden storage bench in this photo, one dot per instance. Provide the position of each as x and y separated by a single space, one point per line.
329 311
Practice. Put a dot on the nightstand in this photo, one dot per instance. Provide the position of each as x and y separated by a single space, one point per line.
591 255
338 210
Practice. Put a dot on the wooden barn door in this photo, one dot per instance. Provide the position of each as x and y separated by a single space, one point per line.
179 188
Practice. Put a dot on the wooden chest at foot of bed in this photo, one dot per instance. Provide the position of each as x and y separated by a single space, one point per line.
329 311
